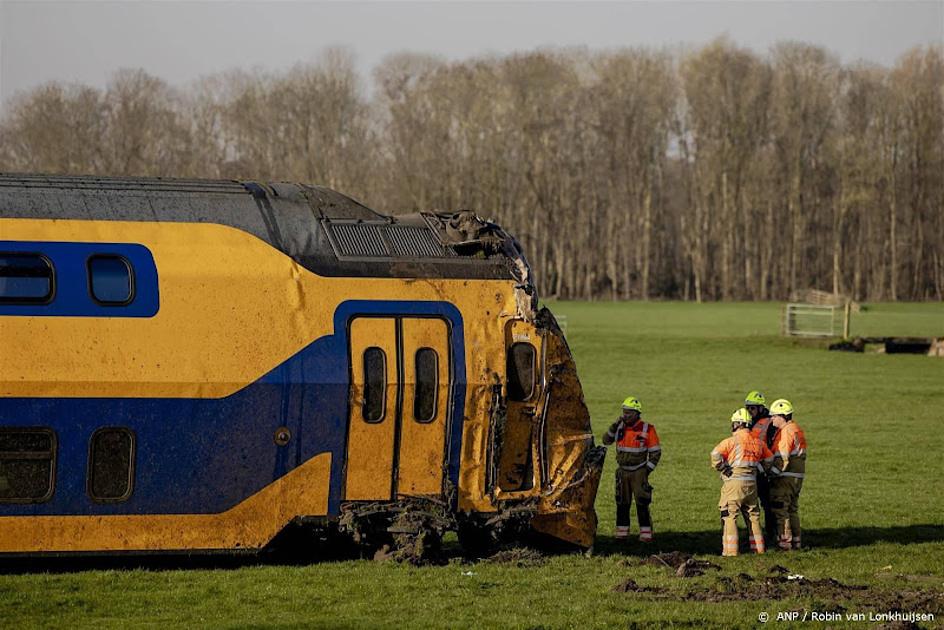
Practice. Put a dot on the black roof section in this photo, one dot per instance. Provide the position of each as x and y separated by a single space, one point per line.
323 230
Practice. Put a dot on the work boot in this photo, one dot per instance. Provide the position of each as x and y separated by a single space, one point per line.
757 544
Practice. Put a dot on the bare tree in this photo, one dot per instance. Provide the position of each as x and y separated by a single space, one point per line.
717 173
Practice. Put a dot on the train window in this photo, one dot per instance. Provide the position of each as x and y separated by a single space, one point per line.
427 384
111 279
27 464
521 369
25 278
111 464
375 384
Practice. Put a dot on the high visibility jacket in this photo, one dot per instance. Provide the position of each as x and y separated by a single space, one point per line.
744 453
636 445
789 451
762 430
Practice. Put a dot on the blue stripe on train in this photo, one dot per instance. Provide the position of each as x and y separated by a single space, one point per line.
72 295
206 455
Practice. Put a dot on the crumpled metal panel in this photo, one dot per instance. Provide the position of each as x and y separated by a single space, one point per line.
573 464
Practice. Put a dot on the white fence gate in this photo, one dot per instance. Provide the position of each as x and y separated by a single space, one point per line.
813 320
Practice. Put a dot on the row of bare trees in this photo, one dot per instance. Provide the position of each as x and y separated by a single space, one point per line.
709 174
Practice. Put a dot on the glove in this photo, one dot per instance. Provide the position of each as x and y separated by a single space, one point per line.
617 429
727 471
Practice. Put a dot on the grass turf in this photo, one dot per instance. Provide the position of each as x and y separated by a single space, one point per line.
872 506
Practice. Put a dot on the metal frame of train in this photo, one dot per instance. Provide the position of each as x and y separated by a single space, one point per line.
196 365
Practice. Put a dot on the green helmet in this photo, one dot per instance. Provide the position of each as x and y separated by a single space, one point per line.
781 407
755 398
632 403
741 416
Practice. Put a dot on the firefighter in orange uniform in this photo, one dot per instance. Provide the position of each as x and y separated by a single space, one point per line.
637 454
738 459
763 429
787 473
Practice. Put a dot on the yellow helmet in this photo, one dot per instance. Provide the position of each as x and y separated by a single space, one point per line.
632 403
741 416
755 398
781 407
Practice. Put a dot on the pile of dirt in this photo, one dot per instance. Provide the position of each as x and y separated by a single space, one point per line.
683 564
630 586
828 590
518 556
777 587
922 601
778 584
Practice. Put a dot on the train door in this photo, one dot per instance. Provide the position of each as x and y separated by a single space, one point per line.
521 437
399 406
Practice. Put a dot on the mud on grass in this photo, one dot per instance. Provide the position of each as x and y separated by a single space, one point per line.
777 584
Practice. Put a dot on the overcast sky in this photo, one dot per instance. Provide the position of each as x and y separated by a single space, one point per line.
180 41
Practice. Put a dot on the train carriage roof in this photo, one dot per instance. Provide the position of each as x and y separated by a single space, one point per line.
322 229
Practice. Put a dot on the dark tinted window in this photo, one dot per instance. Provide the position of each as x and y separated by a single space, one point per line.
375 384
427 382
110 279
521 363
27 464
25 278
111 464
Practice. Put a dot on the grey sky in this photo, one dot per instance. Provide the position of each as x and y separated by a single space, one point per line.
180 41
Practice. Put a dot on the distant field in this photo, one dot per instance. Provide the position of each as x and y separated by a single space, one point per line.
872 506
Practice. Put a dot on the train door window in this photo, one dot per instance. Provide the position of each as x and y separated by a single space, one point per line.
111 464
27 464
25 279
375 384
427 384
111 279
521 371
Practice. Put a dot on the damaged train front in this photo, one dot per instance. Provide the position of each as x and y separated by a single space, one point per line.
542 469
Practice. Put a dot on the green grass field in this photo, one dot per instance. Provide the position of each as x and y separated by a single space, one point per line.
872 505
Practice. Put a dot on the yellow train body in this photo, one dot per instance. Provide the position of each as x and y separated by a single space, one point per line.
237 389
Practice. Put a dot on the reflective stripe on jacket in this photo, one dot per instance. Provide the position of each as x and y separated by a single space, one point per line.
761 428
636 445
790 451
744 453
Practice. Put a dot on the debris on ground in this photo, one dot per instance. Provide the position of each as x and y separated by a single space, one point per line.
779 587
518 556
683 564
781 584
383 554
694 568
409 530
630 586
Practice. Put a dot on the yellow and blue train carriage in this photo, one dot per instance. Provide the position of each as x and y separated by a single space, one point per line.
194 365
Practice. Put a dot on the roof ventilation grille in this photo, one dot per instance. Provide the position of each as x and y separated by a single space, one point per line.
383 240
418 242
358 240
